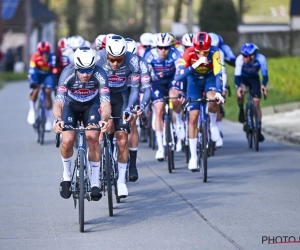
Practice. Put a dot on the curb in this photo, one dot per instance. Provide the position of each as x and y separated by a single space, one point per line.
282 135
270 110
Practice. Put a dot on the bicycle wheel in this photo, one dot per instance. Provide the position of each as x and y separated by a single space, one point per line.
249 128
108 182
81 191
168 146
41 125
255 129
204 149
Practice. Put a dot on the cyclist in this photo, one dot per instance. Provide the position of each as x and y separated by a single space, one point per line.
120 66
247 66
202 66
229 56
176 44
76 42
41 70
146 43
83 90
64 56
187 40
163 60
215 41
133 138
100 42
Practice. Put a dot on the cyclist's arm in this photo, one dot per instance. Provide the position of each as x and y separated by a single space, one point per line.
264 69
229 56
145 82
217 68
183 69
238 71
104 95
224 73
134 90
32 71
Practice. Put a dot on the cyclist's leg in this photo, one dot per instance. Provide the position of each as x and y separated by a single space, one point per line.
133 141
32 98
91 117
256 94
159 91
210 87
49 85
240 101
66 150
193 92
122 129
174 88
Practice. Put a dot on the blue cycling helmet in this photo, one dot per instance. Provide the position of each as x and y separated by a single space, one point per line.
220 40
249 49
215 40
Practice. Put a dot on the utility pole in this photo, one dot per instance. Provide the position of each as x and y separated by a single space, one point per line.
28 32
241 10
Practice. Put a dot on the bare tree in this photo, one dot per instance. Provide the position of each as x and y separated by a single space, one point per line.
177 14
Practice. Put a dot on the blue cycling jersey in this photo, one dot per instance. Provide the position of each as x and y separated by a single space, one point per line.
251 69
228 54
167 66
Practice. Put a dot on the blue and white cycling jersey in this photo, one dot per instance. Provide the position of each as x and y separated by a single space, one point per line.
251 69
167 66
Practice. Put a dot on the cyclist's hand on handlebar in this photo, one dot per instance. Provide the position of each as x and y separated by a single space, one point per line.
58 126
224 91
219 98
104 126
239 92
140 110
181 98
127 116
263 89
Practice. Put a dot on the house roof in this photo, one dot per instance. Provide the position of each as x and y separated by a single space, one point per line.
15 19
295 8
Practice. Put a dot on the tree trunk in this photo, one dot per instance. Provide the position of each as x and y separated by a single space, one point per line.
73 11
177 14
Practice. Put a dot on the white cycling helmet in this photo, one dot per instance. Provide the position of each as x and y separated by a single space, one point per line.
99 41
87 43
146 39
163 40
215 40
76 42
84 57
116 46
187 39
131 45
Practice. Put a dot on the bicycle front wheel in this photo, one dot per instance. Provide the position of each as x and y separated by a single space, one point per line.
168 146
255 129
81 191
204 149
108 182
41 125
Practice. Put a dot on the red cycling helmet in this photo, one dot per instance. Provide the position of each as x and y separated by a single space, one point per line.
43 46
202 41
62 43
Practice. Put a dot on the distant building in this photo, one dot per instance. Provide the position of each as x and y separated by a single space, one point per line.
14 25
295 15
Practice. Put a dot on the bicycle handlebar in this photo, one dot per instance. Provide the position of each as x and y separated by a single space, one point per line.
202 100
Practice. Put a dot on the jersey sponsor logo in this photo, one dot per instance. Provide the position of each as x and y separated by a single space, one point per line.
115 78
135 63
104 90
83 95
83 92
100 78
182 62
68 78
62 89
146 79
143 67
135 78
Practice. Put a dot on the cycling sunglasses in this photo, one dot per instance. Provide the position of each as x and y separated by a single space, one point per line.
45 53
163 48
88 70
245 56
118 59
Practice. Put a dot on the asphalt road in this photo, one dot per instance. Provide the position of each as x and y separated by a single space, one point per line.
249 195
